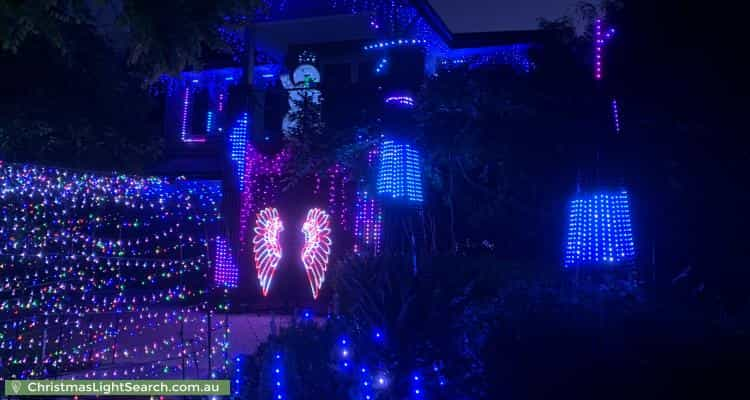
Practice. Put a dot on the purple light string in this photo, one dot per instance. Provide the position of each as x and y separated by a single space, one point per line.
600 40
261 185
367 223
616 115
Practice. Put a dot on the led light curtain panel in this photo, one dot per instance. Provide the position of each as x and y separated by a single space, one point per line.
599 229
400 172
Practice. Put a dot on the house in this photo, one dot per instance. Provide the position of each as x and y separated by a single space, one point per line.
227 121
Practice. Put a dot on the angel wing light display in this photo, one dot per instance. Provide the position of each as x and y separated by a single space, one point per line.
266 246
317 248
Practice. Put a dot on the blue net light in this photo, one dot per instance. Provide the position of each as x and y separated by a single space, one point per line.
400 172
599 229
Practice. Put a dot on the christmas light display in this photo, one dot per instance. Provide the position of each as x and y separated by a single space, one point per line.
277 366
185 113
299 85
317 247
181 92
266 246
616 115
338 207
516 55
225 269
416 386
382 64
395 43
209 122
83 257
238 143
599 229
400 173
601 38
368 224
262 177
400 100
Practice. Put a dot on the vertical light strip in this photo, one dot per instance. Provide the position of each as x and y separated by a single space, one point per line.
185 113
600 40
616 115
209 122
238 142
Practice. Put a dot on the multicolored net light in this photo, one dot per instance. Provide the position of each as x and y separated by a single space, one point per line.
599 229
84 256
317 248
267 246
400 172
226 273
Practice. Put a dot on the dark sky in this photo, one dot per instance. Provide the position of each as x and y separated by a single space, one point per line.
498 15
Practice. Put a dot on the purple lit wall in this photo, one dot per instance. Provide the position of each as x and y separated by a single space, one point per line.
262 176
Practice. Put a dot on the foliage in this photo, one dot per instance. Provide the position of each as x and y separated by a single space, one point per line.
164 37
79 69
305 349
462 318
316 147
20 20
69 110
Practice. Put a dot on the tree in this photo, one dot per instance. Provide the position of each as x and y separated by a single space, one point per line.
81 93
155 38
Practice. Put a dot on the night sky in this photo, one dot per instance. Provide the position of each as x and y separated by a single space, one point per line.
498 15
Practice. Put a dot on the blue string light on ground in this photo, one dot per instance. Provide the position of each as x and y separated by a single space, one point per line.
400 172
278 377
599 229
241 371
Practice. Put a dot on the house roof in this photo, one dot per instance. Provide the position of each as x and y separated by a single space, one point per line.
473 39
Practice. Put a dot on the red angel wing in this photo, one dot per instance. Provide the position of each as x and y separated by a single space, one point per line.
317 248
266 245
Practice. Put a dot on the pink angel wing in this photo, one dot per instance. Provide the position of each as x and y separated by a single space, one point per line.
266 246
317 248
